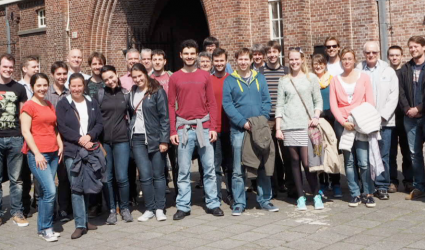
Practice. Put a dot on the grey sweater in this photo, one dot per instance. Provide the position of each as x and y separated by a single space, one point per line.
289 106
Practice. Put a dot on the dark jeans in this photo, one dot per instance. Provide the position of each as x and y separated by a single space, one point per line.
223 160
325 178
399 136
118 155
64 189
151 170
382 181
10 150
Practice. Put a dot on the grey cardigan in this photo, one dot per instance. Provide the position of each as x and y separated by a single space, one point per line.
289 106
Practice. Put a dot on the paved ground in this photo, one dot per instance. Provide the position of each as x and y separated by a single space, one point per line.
393 224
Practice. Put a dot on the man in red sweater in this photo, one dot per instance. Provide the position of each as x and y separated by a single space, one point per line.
222 147
193 125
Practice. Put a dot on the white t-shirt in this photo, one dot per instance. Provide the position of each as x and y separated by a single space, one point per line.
335 69
140 121
84 116
349 88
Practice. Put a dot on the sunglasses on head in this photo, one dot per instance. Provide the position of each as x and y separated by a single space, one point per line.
371 52
296 49
332 46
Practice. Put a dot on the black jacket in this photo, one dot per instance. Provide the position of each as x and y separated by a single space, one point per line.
155 114
405 80
69 125
114 108
89 167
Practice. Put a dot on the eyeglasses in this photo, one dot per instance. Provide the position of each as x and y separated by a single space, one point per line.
371 52
296 49
332 46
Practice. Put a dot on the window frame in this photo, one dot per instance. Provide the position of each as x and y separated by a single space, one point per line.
41 18
279 20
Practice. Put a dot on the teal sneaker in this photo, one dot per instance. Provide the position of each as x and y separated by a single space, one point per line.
318 203
301 204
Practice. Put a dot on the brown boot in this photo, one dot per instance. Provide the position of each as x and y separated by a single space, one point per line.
91 226
78 233
415 194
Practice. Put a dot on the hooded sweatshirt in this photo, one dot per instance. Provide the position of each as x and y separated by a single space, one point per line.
243 100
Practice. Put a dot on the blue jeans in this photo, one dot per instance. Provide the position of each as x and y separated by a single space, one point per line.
414 130
80 201
206 155
264 186
151 170
10 152
382 181
47 188
223 162
117 158
360 153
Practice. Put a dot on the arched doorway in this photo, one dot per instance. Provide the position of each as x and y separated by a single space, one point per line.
177 21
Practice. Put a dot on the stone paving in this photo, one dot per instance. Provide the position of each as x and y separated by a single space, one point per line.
393 224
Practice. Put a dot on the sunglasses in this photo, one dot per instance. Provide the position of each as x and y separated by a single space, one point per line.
371 52
332 46
296 49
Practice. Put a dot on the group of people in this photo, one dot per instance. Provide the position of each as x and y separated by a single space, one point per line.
260 121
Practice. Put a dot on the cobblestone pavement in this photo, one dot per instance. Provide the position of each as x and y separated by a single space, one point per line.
393 224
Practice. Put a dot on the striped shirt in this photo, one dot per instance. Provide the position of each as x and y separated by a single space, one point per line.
272 78
53 96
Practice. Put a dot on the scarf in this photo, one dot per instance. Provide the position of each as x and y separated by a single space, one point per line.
325 80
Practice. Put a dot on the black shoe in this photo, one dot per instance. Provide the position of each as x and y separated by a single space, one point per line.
28 214
216 211
94 212
381 194
369 201
355 201
292 193
64 216
179 215
408 187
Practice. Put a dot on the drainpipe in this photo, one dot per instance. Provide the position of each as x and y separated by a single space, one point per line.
9 50
383 28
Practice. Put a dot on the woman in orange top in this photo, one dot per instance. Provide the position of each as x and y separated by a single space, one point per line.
43 146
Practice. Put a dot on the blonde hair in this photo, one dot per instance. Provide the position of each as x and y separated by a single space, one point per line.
304 66
348 50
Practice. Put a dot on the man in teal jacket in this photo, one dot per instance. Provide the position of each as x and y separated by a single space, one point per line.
245 95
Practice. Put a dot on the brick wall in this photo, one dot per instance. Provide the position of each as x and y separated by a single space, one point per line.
102 25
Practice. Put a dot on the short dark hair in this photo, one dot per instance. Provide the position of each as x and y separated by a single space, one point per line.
8 57
58 64
211 41
97 55
243 51
153 85
76 76
332 38
159 52
394 47
107 68
37 76
417 39
190 43
219 52
273 45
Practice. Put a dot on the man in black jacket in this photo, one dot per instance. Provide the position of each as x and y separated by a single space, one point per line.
412 85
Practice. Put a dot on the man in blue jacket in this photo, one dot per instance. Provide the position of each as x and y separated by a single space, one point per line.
246 95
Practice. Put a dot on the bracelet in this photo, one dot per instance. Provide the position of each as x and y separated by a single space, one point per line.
315 117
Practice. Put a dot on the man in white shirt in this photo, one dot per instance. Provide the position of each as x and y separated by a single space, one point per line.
75 59
385 87
332 50
30 67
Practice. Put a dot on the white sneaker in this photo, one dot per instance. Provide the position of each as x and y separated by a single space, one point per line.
146 216
160 216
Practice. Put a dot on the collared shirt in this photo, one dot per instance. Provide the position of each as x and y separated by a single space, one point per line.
375 76
86 77
127 81
28 88
53 96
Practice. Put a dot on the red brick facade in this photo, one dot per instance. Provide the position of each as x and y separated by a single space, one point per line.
102 24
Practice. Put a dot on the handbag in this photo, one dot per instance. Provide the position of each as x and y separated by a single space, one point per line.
314 133
96 145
